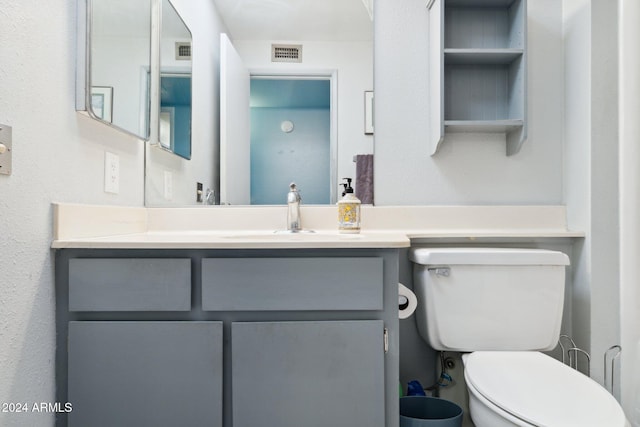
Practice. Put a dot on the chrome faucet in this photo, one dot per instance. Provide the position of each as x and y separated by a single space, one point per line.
294 223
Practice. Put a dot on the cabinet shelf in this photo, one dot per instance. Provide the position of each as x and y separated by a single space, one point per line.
481 56
478 63
483 126
483 91
484 24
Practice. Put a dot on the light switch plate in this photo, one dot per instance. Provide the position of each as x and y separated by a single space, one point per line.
111 173
6 148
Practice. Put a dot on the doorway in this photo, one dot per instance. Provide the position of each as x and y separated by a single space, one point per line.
291 138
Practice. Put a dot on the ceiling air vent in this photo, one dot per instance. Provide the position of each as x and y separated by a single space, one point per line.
183 51
286 53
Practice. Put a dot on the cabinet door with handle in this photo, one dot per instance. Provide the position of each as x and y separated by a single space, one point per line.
139 373
308 373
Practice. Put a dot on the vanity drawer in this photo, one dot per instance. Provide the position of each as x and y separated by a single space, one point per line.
264 284
122 284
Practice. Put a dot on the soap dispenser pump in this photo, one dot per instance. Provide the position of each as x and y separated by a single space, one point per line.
348 210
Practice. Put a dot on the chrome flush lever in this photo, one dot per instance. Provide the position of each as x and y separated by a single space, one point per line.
440 271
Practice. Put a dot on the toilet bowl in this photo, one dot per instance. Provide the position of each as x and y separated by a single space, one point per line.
532 389
501 307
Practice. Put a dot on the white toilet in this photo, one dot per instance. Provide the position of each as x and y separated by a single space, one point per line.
501 307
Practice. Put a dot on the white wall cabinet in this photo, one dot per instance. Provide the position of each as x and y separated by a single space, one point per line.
478 68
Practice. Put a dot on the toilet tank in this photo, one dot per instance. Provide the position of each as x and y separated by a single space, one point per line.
472 299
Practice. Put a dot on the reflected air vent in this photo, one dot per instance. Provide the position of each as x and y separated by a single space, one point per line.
286 53
183 51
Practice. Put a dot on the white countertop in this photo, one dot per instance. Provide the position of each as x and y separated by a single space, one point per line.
101 227
239 240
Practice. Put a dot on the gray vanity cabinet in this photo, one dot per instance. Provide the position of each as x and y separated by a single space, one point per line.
228 338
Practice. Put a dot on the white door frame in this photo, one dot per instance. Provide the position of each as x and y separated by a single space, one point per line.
332 76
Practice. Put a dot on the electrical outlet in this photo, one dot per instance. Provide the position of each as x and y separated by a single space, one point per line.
168 185
199 193
5 149
111 173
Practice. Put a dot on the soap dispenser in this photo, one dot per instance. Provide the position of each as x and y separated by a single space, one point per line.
348 210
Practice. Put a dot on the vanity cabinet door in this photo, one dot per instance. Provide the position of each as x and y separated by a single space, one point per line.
129 284
145 373
311 374
298 284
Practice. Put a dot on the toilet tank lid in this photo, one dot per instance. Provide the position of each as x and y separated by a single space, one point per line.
487 256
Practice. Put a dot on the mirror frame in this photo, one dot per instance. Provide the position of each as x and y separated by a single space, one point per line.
163 71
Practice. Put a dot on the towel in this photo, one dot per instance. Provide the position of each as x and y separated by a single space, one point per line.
364 178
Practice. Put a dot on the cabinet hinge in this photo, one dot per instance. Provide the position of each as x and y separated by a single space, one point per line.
386 340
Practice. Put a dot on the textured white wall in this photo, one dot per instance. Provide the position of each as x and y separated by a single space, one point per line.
577 134
58 155
630 208
468 169
604 193
592 172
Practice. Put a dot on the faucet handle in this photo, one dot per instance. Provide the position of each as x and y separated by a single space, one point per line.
294 195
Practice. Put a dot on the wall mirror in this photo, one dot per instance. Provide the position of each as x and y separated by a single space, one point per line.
175 83
336 40
112 75
115 76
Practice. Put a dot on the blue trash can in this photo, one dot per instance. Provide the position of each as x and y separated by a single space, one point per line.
425 411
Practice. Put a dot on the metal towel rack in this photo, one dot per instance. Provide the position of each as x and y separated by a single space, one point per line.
570 357
610 357
572 354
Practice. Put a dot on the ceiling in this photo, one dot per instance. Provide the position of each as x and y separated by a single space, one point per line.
289 20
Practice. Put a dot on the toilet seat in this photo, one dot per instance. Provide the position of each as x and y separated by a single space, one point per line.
539 390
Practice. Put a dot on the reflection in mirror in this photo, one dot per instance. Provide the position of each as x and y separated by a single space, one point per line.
337 43
175 83
175 113
119 59
317 84
180 172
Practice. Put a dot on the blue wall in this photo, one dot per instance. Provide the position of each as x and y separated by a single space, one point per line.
176 92
301 156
